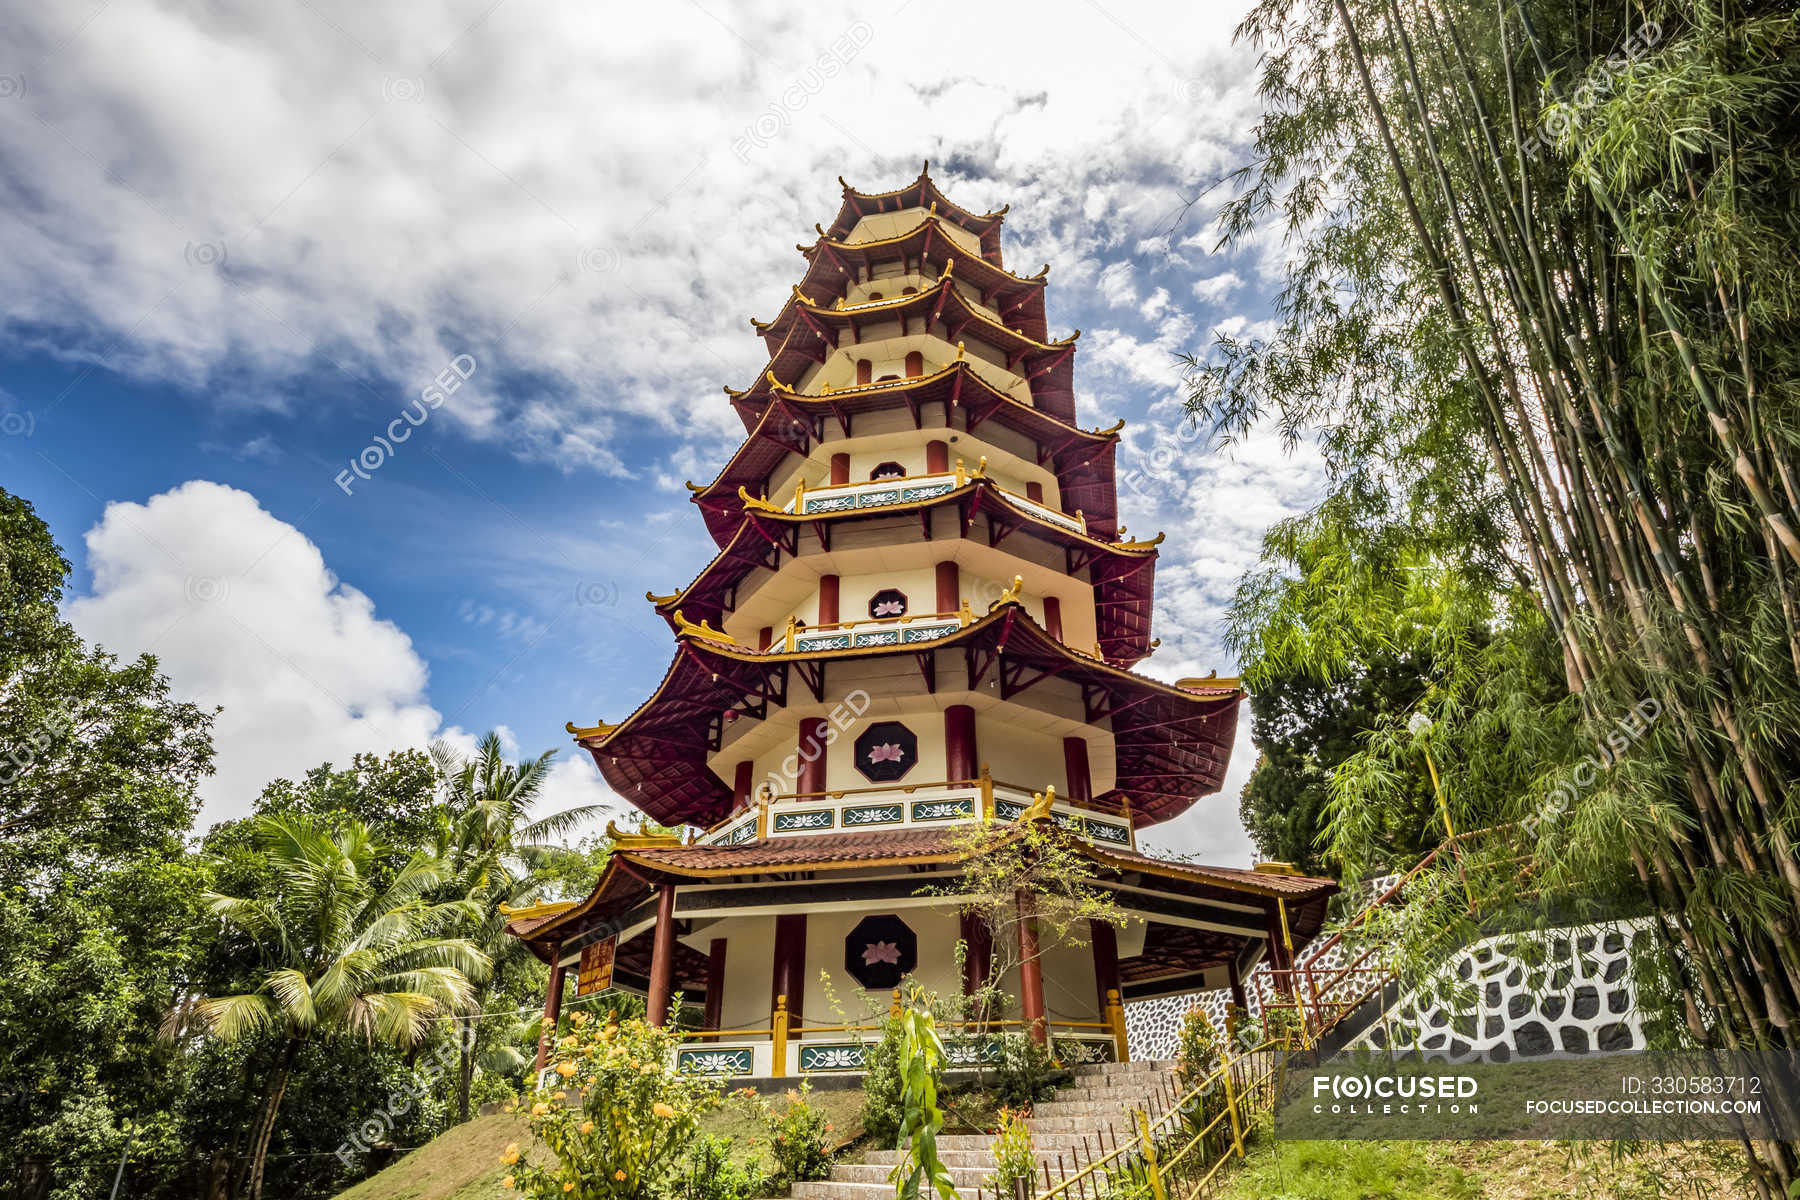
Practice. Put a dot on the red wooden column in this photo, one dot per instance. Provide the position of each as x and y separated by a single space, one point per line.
764 636
552 1007
828 599
978 957
740 786
1034 492
811 752
789 978
840 470
662 958
961 760
715 984
937 457
1053 617
1106 961
1075 765
949 587
1031 971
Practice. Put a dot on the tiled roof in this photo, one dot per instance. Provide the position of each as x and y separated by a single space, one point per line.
1302 886
823 850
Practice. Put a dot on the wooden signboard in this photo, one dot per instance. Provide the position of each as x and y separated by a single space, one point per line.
594 974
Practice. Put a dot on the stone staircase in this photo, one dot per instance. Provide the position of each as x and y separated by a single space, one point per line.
1082 1123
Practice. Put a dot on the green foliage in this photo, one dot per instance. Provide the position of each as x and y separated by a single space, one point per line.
1014 1157
799 1137
1200 1043
1024 1072
1352 1171
920 1172
882 1109
708 1172
618 1117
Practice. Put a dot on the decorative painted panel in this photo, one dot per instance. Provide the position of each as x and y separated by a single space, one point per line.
925 491
829 504
886 751
825 641
943 810
743 833
1007 810
874 814
877 499
926 633
800 822
1075 1052
716 1060
972 1052
878 637
832 1056
1106 831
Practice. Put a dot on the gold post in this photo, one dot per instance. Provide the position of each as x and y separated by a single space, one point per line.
960 477
792 625
779 1030
894 1005
987 793
799 496
1231 1104
762 812
1151 1166
1115 1016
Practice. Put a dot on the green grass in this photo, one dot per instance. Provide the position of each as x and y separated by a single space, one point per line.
1468 1170
463 1163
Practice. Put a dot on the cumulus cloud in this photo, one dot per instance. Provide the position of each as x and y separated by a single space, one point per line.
243 613
1216 288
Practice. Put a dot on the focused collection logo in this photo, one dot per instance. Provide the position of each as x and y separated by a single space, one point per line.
1387 1095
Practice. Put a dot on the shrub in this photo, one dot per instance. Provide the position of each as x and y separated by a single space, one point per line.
708 1173
1014 1156
1023 1071
1200 1043
799 1139
618 1116
881 1109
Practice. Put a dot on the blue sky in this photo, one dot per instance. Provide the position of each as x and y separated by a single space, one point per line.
234 246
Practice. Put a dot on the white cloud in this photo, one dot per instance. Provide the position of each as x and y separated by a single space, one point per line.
1116 286
1216 288
242 613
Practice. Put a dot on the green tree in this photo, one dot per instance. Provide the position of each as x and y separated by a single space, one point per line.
98 770
344 956
495 848
1539 316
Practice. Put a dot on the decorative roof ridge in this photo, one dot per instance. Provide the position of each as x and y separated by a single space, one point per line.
944 281
1041 279
989 487
924 177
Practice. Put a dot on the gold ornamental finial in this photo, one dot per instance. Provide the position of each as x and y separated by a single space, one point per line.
659 601
1011 594
686 628
961 350
1212 681
1122 544
949 267
693 487
640 838
755 502
1040 805
1112 429
599 730
847 187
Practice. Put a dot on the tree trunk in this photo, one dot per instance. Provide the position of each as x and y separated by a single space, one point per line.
465 1077
265 1119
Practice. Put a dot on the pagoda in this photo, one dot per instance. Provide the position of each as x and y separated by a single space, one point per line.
923 614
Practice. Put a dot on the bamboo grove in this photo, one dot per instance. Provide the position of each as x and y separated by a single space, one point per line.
1539 316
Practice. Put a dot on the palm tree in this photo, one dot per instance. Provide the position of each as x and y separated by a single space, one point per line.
492 846
344 955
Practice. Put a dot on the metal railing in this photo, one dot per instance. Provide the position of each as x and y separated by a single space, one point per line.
1183 1139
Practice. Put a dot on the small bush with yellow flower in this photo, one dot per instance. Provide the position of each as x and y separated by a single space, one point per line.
618 1116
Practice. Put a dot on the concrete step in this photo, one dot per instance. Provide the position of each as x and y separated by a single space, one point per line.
1108 1070
878 1173
831 1190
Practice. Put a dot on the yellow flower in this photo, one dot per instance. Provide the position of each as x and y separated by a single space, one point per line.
507 1182
559 1095
565 1069
539 1109
662 1110
579 1019
619 1175
511 1155
587 1127
568 1187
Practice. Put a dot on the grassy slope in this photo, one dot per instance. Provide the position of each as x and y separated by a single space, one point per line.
1484 1171
464 1162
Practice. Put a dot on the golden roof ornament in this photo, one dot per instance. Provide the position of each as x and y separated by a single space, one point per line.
1212 681
1011 594
641 838
1154 542
686 628
1039 809
659 601
755 502
601 729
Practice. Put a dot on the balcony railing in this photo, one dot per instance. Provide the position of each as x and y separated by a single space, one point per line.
893 806
871 631
910 489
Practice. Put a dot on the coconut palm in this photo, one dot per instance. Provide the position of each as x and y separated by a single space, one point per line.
344 955
491 844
